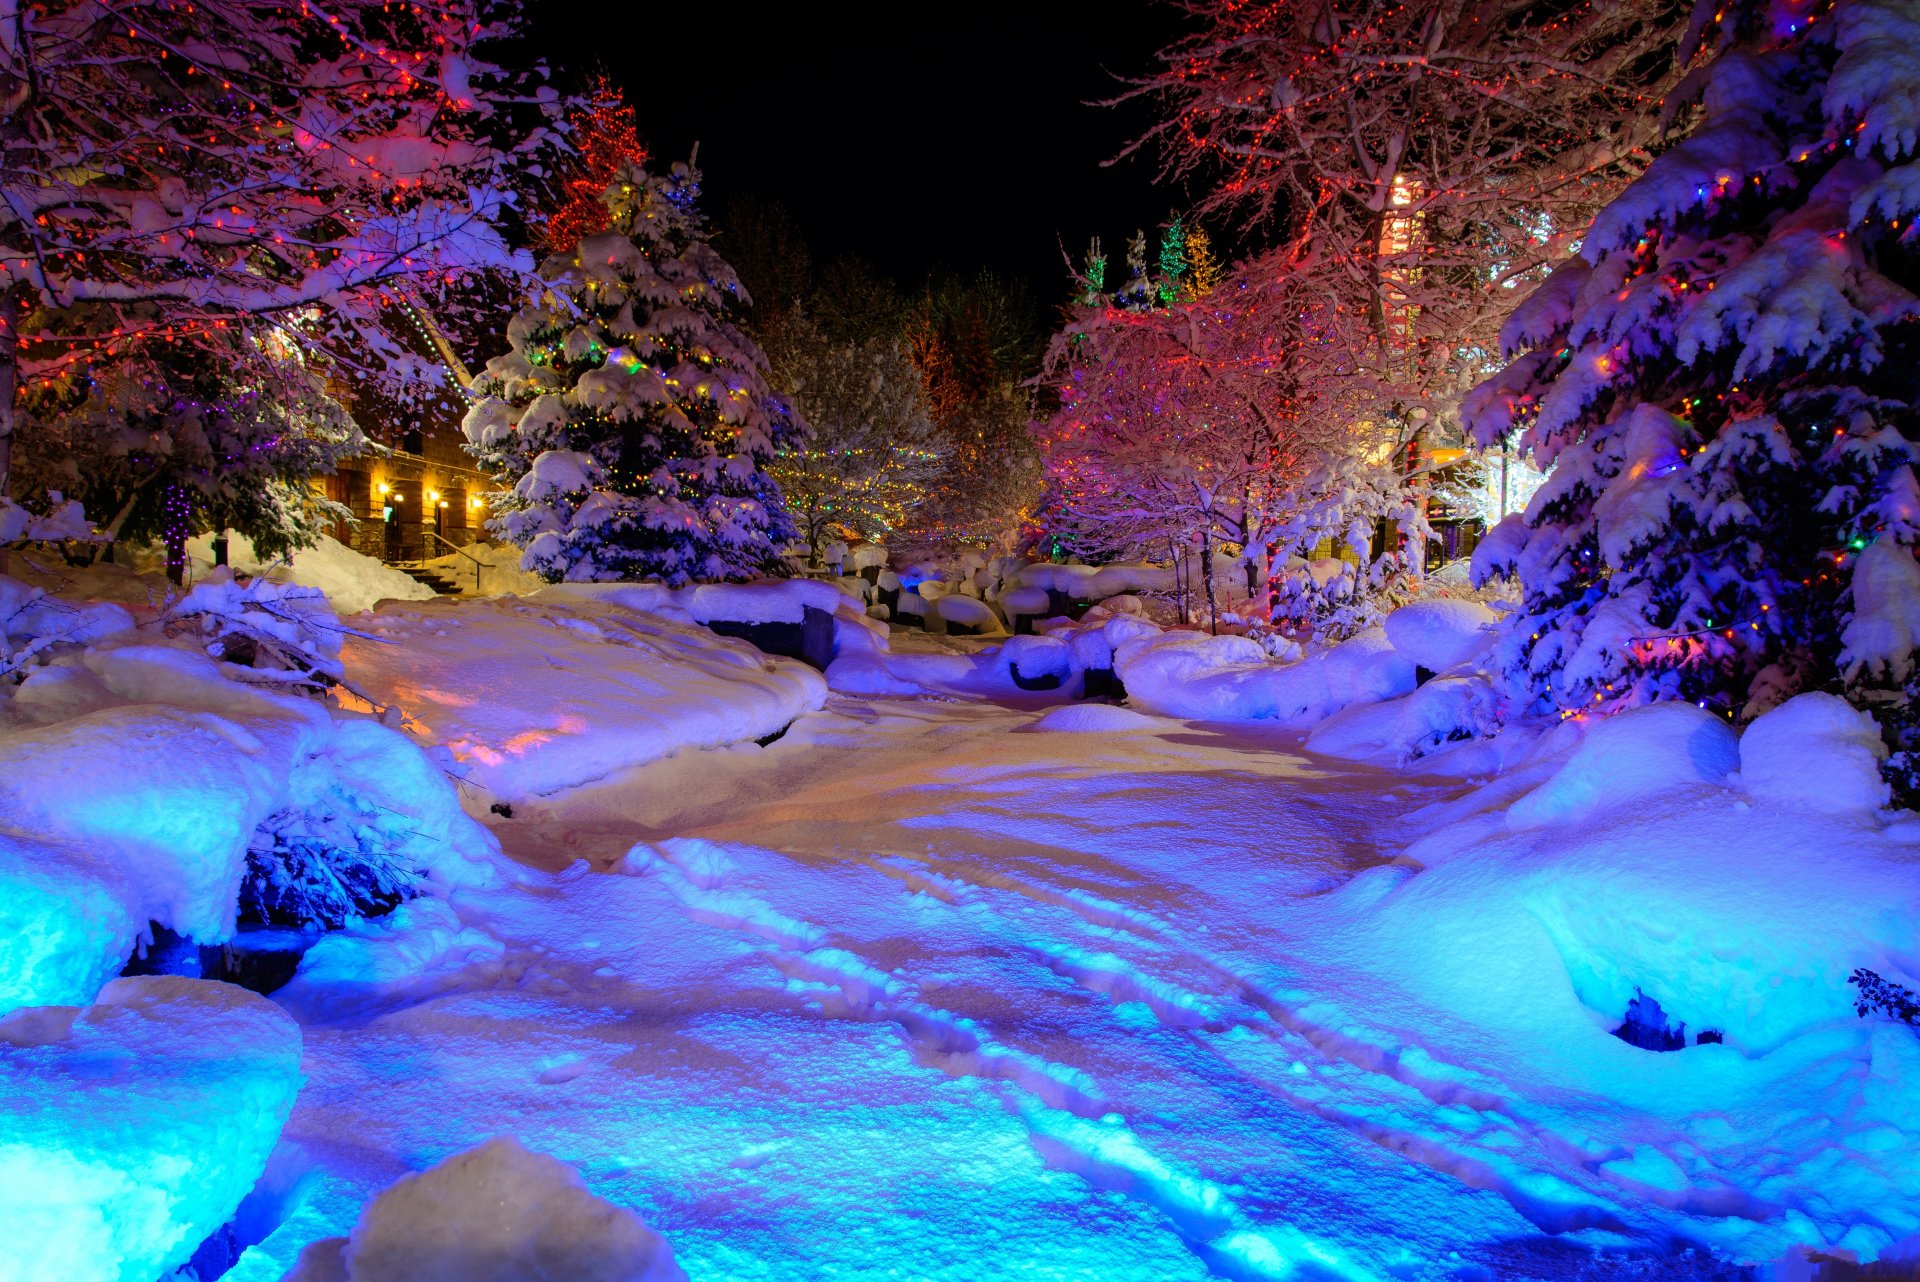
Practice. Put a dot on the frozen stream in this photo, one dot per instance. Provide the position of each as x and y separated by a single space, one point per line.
919 992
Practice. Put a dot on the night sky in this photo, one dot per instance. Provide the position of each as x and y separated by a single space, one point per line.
941 137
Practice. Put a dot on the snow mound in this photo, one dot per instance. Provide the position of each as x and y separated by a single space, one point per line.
1440 633
1637 753
533 695
143 774
1092 718
496 1213
131 1129
353 582
956 610
1038 656
1202 678
1445 710
1815 750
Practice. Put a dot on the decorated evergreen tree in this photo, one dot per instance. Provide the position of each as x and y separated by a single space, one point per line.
632 420
1725 384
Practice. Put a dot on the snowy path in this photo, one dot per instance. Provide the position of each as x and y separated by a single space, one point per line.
917 993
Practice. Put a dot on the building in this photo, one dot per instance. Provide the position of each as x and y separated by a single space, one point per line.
419 496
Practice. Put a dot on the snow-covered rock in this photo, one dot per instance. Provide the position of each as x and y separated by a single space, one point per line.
1634 754
142 773
532 695
1815 750
132 1128
496 1213
1439 633
959 611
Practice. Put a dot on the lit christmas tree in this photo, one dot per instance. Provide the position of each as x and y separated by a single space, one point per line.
632 419
1725 384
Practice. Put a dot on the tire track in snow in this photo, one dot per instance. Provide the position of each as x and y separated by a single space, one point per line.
1071 1123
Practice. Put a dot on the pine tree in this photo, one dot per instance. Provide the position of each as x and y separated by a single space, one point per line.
1173 262
1725 384
632 418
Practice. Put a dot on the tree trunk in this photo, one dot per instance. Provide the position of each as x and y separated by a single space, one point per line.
9 394
1206 577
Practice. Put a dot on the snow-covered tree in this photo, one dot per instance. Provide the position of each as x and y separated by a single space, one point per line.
868 452
189 448
178 174
1420 158
632 420
1725 382
1207 422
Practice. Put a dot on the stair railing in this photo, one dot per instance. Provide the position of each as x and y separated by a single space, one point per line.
478 564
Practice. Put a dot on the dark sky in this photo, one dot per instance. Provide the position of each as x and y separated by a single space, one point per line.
934 136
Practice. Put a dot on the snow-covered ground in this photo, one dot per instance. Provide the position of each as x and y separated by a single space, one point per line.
955 979
939 988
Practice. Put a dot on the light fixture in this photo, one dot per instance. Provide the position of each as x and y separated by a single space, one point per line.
383 487
443 502
433 496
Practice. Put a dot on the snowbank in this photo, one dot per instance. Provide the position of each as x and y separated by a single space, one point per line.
1438 634
497 1213
1815 750
353 582
1638 753
131 1129
1204 678
532 695
143 773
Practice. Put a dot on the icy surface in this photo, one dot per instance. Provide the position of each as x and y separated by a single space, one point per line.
495 1214
132 1128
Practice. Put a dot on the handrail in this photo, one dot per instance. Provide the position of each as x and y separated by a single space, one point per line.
478 564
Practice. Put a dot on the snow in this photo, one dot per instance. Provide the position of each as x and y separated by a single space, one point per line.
1137 998
133 779
965 611
1884 632
352 581
1441 633
622 676
137 772
1815 750
1093 718
1638 753
497 1213
1230 678
954 980
131 1129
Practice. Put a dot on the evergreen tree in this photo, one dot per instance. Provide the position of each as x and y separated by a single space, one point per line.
1725 384
632 418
